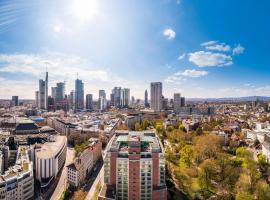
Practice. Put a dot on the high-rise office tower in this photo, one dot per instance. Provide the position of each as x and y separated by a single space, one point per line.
42 95
89 102
156 96
116 94
183 102
60 92
146 103
15 100
37 98
125 97
134 167
53 92
46 91
102 103
79 94
71 99
176 100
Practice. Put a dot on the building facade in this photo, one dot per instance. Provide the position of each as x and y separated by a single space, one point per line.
49 159
89 102
79 95
134 167
83 163
156 96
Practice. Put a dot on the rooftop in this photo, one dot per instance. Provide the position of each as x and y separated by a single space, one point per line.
147 141
50 149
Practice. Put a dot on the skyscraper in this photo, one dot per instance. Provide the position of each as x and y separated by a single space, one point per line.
176 102
116 94
71 99
15 100
53 92
134 167
146 103
60 92
42 95
46 91
102 100
156 96
37 98
79 94
125 97
89 102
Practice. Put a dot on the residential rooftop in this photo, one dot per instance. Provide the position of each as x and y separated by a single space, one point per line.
146 141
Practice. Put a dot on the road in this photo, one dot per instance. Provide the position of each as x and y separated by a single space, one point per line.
61 186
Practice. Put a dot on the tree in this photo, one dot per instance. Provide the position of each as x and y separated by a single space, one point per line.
207 171
138 126
262 162
262 191
199 131
170 128
186 155
207 147
244 196
182 128
243 152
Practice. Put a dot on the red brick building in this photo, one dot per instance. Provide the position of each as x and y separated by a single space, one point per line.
134 167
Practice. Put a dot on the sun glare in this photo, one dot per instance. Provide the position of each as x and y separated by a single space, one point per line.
84 10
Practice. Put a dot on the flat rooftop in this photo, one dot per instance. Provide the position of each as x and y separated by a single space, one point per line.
146 140
50 149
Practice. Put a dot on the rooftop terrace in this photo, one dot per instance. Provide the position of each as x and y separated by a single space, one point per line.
147 141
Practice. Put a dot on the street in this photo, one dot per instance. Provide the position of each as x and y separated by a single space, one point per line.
62 184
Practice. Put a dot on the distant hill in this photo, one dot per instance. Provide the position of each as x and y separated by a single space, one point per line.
236 99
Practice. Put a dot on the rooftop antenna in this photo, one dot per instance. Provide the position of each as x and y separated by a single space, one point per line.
77 75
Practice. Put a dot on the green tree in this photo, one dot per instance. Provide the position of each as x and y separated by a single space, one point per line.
262 191
182 128
199 131
207 171
244 196
186 156
138 126
170 128
262 162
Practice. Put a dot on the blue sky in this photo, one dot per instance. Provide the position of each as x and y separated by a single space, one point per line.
201 48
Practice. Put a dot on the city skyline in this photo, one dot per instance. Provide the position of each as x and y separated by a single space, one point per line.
193 48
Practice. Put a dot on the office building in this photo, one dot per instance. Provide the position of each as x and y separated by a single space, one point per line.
46 91
176 102
71 99
89 102
183 102
79 95
49 159
102 100
60 92
53 92
15 100
146 103
37 98
156 96
116 97
134 167
125 97
42 95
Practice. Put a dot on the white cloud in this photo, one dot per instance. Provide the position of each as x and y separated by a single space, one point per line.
238 50
208 43
219 47
209 59
61 67
169 33
182 56
194 73
180 76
